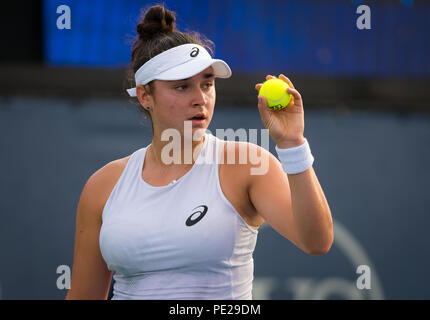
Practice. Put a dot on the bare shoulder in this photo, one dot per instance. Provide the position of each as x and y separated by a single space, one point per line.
247 159
90 276
101 183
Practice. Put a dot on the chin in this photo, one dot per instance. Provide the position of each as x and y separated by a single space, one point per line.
198 133
197 129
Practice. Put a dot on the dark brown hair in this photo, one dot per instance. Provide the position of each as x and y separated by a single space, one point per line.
157 33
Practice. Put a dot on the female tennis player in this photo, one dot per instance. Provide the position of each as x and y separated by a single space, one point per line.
188 229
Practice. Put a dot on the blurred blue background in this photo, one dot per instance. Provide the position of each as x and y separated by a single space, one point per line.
304 37
64 114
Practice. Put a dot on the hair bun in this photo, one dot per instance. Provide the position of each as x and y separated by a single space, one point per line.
157 20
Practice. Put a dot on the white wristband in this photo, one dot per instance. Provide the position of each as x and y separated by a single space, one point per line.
296 160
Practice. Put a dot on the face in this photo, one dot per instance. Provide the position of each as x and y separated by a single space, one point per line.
173 102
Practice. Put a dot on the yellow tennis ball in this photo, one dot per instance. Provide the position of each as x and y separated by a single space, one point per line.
275 92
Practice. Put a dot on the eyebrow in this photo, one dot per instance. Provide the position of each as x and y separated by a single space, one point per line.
205 76
208 75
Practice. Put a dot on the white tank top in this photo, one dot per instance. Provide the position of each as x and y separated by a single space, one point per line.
184 240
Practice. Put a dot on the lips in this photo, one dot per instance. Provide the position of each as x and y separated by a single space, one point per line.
199 116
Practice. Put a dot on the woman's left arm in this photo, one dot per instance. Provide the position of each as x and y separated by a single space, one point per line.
310 224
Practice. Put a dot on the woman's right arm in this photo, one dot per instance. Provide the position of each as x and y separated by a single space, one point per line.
90 276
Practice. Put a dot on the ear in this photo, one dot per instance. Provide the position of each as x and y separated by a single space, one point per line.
144 98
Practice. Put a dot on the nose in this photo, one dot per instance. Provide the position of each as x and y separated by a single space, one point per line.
199 97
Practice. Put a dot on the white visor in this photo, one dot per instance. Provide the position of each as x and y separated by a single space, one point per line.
179 63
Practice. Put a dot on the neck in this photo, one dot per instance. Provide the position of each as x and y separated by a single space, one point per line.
174 153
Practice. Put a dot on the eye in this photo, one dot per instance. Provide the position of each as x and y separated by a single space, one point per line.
209 84
181 88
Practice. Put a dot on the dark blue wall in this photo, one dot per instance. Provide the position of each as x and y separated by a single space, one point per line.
373 168
302 37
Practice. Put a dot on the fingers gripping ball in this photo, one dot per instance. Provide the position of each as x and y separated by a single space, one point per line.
275 92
